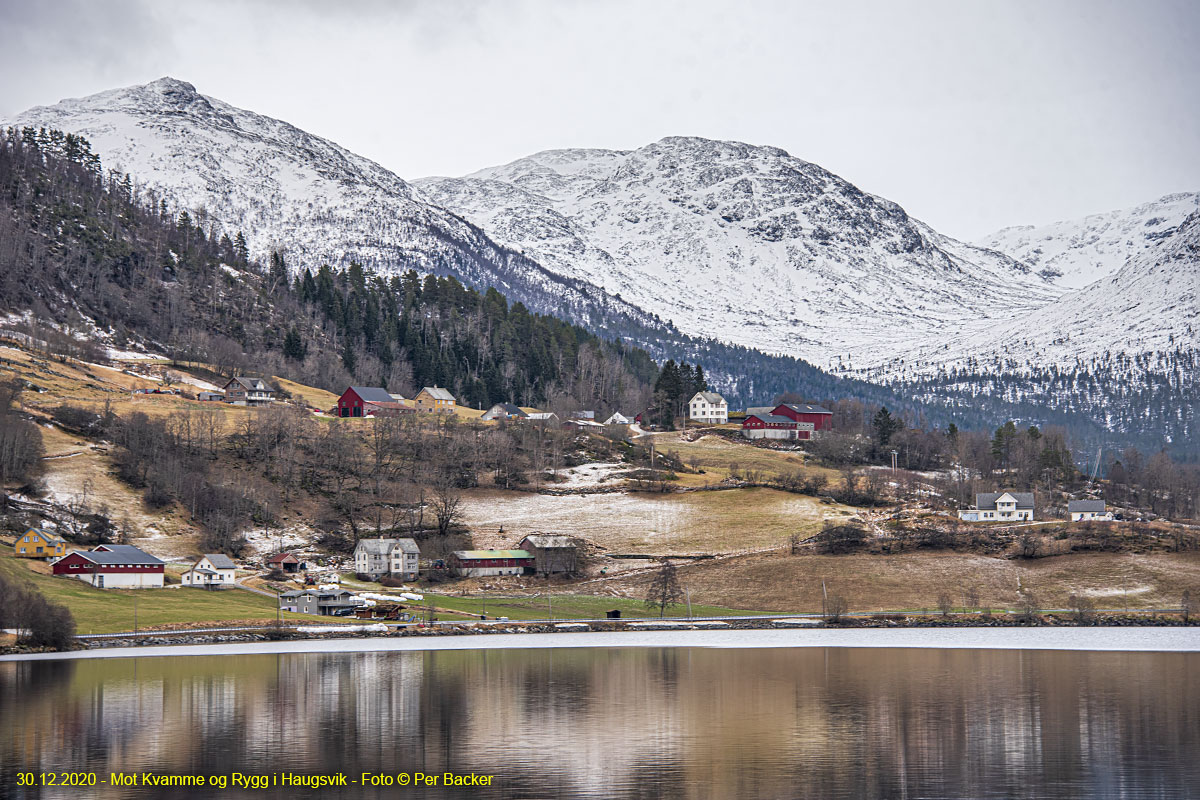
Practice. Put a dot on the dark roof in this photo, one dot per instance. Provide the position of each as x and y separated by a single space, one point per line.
1085 505
119 554
806 408
505 408
281 557
220 561
251 384
987 500
373 393
774 419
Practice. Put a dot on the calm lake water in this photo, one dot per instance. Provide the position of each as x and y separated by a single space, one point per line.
621 722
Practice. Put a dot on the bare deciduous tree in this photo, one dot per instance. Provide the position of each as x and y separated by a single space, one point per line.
664 588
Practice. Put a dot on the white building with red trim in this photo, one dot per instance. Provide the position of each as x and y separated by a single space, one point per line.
113 566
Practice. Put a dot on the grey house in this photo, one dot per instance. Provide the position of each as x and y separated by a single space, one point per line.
335 602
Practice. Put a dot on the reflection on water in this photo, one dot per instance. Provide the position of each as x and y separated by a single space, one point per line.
625 722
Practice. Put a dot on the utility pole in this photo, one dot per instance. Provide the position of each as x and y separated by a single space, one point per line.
688 594
550 605
135 610
824 600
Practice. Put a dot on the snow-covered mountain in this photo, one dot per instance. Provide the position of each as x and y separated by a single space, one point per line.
747 244
1074 253
304 195
1143 312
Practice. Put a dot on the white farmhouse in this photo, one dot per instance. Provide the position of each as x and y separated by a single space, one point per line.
211 571
709 408
999 507
379 557
1082 510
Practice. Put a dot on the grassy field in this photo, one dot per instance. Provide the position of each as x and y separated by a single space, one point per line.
111 610
568 606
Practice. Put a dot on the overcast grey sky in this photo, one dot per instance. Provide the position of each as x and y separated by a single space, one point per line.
972 115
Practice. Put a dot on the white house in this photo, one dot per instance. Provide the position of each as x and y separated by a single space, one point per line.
709 408
618 418
1080 510
999 507
379 557
211 571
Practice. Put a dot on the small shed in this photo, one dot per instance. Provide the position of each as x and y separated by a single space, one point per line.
284 561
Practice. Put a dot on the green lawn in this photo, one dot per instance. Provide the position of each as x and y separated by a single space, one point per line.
570 606
111 610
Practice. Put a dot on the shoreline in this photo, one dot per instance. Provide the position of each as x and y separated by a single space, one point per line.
1168 638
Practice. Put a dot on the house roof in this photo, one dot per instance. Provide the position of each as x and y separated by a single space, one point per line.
279 558
505 408
408 546
806 408
438 393
542 415
584 415
373 394
617 418
252 384
46 535
548 542
1085 505
375 547
987 500
470 555
219 561
119 554
710 397
759 410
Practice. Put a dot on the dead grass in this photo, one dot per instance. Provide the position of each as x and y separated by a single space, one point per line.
693 522
718 456
780 582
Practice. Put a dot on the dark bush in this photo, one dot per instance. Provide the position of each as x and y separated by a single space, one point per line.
836 539
390 582
157 495
362 576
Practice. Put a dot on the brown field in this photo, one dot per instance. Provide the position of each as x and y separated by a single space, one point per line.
717 457
694 522
780 582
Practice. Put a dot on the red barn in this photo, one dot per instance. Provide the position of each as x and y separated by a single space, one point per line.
820 418
113 565
359 401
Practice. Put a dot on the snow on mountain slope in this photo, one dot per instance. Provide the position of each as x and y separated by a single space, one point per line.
1151 305
290 190
1074 253
744 243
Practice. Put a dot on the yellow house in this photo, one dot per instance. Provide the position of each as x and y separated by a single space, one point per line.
37 543
435 398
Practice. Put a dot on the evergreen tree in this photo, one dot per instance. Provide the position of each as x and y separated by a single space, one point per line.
293 346
349 358
885 426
